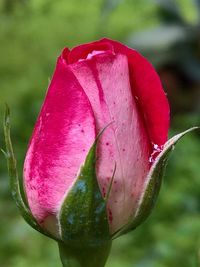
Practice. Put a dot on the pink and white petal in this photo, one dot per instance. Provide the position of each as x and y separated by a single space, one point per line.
82 51
63 135
148 91
105 79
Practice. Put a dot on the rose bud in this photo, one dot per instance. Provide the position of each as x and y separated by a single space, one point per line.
95 161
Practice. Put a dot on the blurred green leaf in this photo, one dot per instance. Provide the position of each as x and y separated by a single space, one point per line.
109 5
169 11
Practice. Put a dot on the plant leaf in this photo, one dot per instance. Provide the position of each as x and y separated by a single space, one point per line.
169 11
108 6
197 4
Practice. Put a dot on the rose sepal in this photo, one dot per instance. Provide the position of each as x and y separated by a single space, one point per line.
14 178
153 184
83 221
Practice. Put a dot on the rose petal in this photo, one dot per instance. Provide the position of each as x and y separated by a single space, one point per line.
105 79
148 91
63 135
82 51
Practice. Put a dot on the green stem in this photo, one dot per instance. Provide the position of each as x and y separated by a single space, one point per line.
84 256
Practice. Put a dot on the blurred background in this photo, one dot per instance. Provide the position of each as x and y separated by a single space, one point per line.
167 32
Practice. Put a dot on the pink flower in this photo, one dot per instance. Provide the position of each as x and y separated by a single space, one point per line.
95 85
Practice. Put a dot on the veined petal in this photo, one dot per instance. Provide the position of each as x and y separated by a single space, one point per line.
105 79
63 135
152 184
148 91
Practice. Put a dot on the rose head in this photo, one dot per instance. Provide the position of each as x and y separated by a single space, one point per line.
96 85
95 162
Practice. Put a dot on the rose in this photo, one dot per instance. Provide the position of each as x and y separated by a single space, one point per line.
92 87
72 196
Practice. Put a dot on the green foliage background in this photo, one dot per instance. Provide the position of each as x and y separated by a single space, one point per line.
32 34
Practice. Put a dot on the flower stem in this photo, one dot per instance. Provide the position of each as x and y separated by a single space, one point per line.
84 256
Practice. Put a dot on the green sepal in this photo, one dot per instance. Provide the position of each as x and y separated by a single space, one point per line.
83 217
153 184
14 180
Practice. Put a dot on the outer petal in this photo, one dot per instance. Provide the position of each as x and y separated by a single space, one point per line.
148 91
152 184
105 79
62 137
145 83
81 51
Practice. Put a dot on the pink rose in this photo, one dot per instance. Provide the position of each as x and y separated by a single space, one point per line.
95 162
95 85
